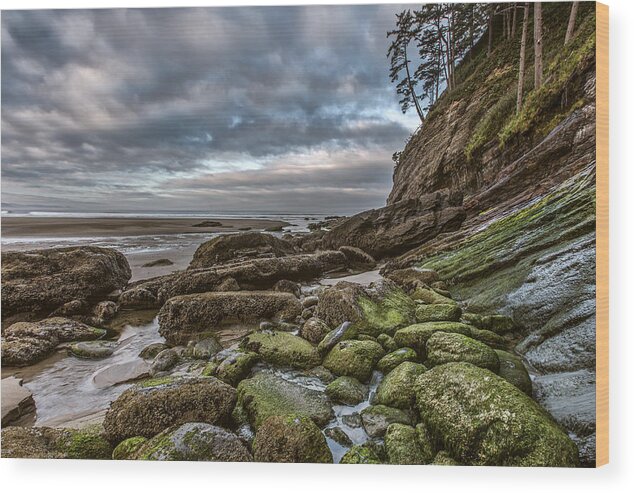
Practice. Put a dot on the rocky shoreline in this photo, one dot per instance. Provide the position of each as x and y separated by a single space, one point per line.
393 372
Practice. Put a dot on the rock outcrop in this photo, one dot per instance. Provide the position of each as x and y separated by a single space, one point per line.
37 282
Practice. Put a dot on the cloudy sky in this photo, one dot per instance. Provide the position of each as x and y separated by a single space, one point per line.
274 109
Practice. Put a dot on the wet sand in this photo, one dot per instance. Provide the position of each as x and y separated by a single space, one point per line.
46 227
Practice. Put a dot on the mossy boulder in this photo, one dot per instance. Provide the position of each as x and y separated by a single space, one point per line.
339 436
403 447
282 349
354 359
387 342
150 407
512 370
416 336
362 454
377 418
194 442
150 351
54 443
93 349
411 278
127 449
444 459
397 389
344 332
481 419
346 390
292 438
438 312
267 395
500 324
489 338
391 360
443 347
431 297
231 366
314 330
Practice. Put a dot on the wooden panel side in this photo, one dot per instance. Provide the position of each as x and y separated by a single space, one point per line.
602 116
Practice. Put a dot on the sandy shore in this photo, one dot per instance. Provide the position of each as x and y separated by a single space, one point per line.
45 227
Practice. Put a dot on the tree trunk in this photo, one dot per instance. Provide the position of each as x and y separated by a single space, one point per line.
411 86
490 22
520 80
571 22
538 45
514 25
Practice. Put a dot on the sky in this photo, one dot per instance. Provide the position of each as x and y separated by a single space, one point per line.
271 109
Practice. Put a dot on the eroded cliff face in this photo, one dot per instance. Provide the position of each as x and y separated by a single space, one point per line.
527 247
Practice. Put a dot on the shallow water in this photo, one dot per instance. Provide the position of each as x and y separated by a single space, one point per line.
72 388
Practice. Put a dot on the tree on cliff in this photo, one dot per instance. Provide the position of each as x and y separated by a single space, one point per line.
571 22
397 53
520 80
538 45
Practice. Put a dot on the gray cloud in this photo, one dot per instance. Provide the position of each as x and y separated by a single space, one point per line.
278 108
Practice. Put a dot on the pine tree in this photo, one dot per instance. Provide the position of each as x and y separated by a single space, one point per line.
538 45
520 80
571 22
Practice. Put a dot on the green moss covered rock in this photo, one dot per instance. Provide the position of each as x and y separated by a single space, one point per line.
344 332
377 418
431 297
231 366
314 330
438 312
54 443
346 390
443 347
361 454
444 459
391 360
481 419
150 407
387 342
397 388
354 359
512 370
416 336
127 449
403 447
338 435
282 349
500 324
267 395
194 442
293 438
92 349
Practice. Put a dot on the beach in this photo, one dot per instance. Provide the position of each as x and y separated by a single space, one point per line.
143 240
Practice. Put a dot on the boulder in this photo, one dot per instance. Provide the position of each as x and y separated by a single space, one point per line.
339 436
25 343
16 400
354 359
165 360
127 449
400 226
412 277
206 348
197 316
292 438
37 282
403 447
377 418
387 342
500 324
282 349
391 360
416 336
438 312
342 333
150 351
512 370
314 330
151 406
53 443
481 419
231 366
256 274
357 258
396 389
445 347
241 246
431 297
194 442
346 390
93 349
267 395
362 454
444 459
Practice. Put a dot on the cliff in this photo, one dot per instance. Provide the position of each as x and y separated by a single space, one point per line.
527 246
